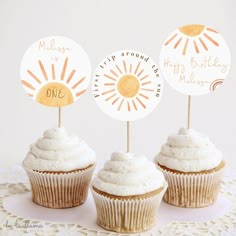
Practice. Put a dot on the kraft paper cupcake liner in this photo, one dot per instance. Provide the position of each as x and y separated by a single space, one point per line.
60 189
127 215
192 190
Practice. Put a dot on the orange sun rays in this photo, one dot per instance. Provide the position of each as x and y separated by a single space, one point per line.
48 79
112 93
197 42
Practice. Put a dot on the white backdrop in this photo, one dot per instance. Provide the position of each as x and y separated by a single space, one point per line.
101 27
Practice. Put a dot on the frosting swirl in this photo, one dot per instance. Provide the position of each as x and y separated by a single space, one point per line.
189 151
58 151
128 174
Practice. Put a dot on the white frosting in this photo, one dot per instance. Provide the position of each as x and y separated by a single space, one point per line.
58 151
189 151
128 174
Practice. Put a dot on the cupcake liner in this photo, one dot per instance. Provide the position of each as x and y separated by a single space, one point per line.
60 190
127 215
192 190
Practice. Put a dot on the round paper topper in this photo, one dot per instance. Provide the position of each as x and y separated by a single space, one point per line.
127 85
195 59
55 71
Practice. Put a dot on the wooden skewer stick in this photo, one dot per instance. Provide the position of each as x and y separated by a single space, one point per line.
128 136
59 117
189 111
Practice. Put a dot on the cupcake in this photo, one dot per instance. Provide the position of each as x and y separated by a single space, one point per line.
60 167
127 193
192 167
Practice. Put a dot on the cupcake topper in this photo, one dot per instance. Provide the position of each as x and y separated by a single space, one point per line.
127 86
194 60
55 72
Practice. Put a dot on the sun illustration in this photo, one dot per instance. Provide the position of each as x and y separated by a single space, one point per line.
127 88
51 87
197 36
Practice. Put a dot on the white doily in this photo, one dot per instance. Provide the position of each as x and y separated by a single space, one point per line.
14 181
